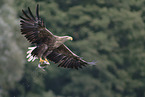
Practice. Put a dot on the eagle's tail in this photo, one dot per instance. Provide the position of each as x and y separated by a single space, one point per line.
30 56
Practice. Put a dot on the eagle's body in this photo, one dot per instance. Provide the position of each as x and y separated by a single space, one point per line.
47 45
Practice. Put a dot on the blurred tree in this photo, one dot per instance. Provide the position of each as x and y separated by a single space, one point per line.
12 58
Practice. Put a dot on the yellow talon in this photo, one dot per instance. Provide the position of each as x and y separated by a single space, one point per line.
44 61
47 61
41 60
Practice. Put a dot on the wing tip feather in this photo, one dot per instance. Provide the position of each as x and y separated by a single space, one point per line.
92 63
37 11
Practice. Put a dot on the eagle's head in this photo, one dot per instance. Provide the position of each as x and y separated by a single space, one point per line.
69 38
63 39
66 38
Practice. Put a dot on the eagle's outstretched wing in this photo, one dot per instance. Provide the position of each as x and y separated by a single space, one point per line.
34 29
66 58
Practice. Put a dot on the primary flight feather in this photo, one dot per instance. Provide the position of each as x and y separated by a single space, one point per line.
47 46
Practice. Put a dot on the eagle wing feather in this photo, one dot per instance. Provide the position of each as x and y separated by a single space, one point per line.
66 58
34 29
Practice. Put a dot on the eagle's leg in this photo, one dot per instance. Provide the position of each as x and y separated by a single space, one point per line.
44 61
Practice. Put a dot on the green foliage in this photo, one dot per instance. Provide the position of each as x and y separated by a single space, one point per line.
12 58
110 32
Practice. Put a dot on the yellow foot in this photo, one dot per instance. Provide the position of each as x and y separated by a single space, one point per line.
47 62
44 61
41 60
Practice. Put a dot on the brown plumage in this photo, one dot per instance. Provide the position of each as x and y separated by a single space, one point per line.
47 45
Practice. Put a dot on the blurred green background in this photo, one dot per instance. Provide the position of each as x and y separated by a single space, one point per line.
111 32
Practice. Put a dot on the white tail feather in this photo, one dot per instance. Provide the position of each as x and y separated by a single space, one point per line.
34 58
29 56
32 48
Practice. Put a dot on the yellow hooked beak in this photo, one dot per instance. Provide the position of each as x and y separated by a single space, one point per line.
70 38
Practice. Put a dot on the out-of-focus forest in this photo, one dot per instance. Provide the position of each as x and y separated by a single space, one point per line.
111 32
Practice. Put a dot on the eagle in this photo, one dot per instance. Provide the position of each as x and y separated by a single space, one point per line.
47 46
